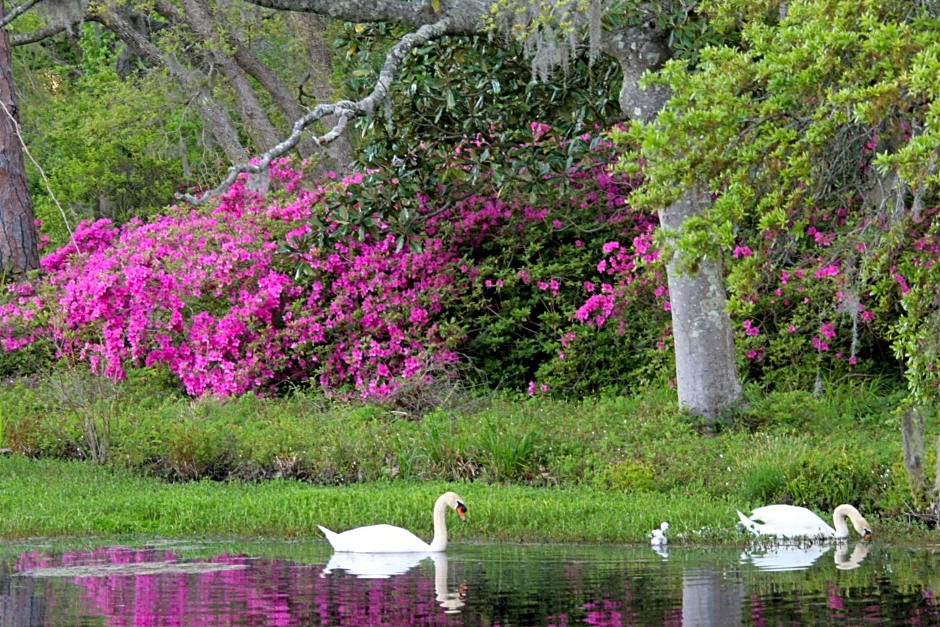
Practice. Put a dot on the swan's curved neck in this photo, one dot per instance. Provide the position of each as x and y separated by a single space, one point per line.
840 514
439 542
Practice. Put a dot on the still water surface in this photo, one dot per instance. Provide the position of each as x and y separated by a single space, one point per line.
207 582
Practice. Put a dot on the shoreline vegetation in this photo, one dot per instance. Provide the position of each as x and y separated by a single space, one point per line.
533 470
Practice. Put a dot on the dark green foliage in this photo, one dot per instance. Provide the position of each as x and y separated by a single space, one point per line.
458 87
108 146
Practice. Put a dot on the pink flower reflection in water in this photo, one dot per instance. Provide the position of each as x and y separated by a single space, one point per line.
259 592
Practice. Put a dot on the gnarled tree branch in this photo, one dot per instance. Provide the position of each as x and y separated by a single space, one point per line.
51 30
344 110
16 12
409 13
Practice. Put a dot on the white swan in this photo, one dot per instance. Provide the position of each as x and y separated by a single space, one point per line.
658 536
390 539
789 521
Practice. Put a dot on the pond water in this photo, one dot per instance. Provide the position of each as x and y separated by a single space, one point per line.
130 582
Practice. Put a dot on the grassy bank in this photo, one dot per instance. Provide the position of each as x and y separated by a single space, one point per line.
531 470
51 498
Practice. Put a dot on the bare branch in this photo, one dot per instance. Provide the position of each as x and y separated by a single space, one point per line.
51 30
463 16
335 132
344 110
410 13
16 12
22 39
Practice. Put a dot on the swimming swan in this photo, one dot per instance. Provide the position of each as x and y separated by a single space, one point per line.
658 536
390 539
789 521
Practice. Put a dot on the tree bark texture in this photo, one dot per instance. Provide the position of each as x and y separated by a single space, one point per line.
215 117
912 440
338 153
18 249
199 18
935 497
706 372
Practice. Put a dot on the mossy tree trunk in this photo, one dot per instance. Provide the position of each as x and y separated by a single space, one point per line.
18 249
926 498
707 379
912 438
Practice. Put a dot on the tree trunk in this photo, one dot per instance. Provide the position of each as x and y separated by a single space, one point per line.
706 372
18 249
214 117
198 17
338 153
935 497
912 440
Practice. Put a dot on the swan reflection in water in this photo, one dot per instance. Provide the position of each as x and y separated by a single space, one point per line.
783 557
386 565
854 560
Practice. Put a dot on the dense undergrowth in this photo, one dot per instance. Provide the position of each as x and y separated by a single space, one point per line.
843 446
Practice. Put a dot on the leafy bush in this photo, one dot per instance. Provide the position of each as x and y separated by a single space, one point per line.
315 285
206 296
138 154
818 153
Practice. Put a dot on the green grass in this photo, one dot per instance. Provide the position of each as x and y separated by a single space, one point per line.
533 470
50 498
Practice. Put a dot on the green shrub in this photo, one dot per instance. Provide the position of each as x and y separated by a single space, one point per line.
628 475
797 450
790 410
825 478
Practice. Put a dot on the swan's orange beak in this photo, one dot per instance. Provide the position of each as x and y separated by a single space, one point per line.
867 535
461 511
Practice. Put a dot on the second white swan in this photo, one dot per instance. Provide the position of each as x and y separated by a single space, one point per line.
391 539
790 521
658 536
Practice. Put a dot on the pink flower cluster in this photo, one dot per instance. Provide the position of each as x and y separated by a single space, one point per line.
206 294
826 285
628 270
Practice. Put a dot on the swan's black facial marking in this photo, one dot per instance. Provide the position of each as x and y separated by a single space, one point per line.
461 510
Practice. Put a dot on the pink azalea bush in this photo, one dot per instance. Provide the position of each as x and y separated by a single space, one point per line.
828 295
559 289
208 296
261 291
548 274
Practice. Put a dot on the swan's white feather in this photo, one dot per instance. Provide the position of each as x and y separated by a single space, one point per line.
658 536
786 521
376 539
